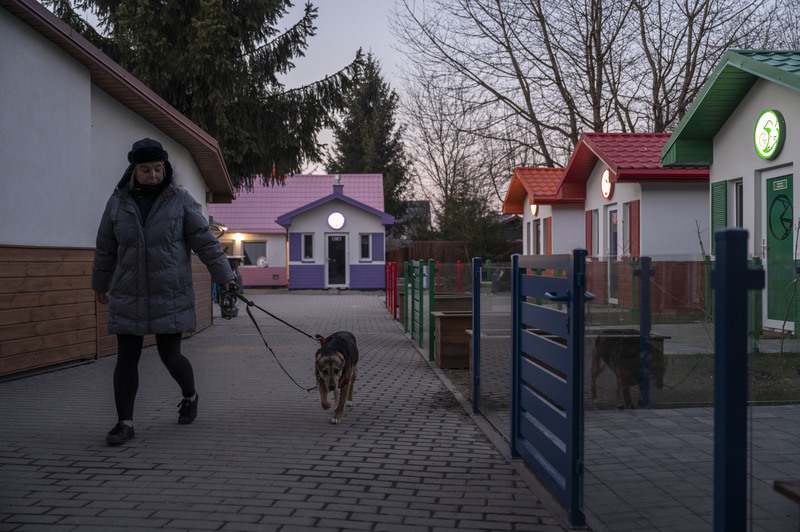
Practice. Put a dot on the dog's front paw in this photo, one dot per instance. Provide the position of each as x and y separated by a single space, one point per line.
350 403
336 420
326 405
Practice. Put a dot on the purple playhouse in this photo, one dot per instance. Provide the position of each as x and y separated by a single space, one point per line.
315 232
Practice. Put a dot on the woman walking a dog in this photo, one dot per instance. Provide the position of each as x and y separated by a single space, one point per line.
142 270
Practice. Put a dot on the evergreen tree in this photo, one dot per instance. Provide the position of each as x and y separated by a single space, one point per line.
367 139
217 62
467 217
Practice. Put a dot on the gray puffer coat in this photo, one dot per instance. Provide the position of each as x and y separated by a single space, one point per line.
146 267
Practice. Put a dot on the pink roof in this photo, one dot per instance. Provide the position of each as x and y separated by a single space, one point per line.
256 211
630 157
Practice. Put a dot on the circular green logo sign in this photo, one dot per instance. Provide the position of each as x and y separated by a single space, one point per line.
769 134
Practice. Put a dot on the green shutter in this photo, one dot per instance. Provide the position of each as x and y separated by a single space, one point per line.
719 210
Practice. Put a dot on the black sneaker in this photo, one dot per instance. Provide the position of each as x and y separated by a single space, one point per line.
188 410
120 434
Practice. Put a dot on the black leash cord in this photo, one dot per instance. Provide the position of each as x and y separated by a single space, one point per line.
249 303
252 318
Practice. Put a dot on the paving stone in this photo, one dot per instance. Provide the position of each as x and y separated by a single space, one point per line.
262 454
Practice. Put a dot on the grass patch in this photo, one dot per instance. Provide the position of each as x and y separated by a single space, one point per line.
689 379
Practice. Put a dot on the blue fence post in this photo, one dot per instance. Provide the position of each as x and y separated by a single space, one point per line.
432 270
514 406
731 279
644 273
577 313
476 333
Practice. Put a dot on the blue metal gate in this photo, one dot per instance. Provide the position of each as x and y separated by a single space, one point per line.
547 371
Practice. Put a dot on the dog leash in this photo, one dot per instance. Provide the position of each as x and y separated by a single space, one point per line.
319 338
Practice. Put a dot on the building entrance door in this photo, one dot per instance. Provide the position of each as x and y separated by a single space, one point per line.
337 260
780 242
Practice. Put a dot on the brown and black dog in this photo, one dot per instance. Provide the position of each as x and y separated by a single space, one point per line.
620 351
336 370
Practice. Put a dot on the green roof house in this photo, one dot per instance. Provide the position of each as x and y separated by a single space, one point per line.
745 127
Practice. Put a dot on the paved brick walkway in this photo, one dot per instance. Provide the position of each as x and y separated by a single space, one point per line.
262 454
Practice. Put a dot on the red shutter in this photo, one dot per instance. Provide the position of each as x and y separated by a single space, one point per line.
635 229
589 233
548 238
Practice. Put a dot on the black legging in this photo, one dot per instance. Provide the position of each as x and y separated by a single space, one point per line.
126 373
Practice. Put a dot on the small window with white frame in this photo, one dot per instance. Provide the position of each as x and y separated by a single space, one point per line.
365 247
308 246
255 253
738 203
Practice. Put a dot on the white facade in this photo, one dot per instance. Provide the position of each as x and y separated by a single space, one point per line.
673 217
64 143
347 254
567 228
357 222
737 164
735 158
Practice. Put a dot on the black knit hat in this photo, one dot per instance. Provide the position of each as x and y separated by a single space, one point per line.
147 151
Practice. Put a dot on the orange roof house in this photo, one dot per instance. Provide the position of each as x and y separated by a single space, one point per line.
550 224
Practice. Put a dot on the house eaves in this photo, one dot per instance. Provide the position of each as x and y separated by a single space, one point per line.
285 220
630 158
539 184
132 93
691 144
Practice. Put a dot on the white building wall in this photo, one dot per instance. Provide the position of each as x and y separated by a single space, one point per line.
569 229
64 144
45 155
667 217
623 193
674 218
114 130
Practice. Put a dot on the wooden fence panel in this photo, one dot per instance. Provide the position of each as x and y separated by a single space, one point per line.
47 308
48 313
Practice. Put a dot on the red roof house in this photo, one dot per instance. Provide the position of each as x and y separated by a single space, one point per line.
632 204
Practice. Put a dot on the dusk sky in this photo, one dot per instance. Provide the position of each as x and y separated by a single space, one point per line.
344 26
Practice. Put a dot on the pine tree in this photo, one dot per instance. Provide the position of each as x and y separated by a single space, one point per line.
466 216
217 62
367 139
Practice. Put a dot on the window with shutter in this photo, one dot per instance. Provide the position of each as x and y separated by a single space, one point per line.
719 210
